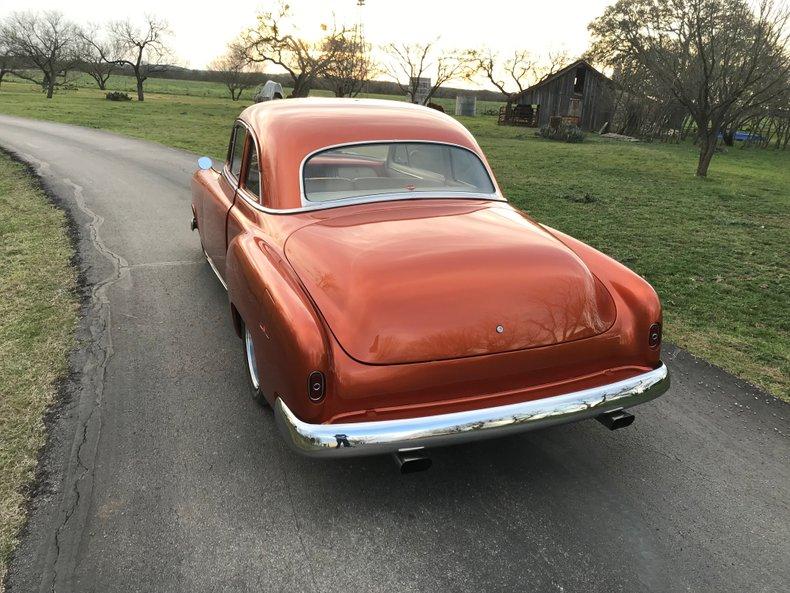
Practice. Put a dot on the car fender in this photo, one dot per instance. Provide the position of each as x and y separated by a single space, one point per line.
289 336
200 184
637 302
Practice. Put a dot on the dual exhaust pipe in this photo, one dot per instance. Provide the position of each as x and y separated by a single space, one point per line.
409 462
617 419
416 460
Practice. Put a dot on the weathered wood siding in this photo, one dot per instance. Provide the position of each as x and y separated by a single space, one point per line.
554 98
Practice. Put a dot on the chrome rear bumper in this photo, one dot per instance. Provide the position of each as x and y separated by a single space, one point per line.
386 436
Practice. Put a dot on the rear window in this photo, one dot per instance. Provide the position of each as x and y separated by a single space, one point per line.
393 168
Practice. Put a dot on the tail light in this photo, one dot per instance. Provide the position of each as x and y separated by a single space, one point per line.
654 336
316 386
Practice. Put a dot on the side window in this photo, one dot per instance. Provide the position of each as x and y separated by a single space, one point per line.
237 150
253 181
429 157
467 169
400 154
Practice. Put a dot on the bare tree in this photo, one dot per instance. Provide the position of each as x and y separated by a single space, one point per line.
518 72
5 66
410 62
641 107
549 65
143 49
94 51
7 60
717 58
353 65
274 40
513 71
47 41
233 68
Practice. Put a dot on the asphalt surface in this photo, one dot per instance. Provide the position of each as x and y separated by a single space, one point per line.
161 474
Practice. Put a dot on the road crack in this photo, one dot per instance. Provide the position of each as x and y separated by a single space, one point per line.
58 570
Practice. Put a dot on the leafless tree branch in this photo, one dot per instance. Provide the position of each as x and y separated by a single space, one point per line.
353 65
274 40
516 72
94 50
234 70
143 49
410 62
46 41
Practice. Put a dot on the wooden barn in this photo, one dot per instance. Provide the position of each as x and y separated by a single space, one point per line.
577 94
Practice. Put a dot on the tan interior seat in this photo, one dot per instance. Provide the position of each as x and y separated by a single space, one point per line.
376 183
327 184
395 184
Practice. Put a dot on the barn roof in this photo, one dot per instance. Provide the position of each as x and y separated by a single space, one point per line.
561 72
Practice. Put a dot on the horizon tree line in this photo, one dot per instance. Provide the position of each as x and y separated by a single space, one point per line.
716 65
47 49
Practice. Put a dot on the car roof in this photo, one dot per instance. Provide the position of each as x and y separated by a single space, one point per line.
289 130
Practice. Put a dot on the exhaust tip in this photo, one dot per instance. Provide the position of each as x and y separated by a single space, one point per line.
615 420
410 462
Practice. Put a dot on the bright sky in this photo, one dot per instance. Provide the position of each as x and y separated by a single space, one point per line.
201 34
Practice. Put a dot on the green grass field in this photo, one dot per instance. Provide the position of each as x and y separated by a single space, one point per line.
38 309
715 249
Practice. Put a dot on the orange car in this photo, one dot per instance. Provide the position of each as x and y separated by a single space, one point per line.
389 298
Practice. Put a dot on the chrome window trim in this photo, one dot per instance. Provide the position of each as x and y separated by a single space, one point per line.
229 176
314 206
308 204
232 181
236 183
214 269
369 200
247 164
247 197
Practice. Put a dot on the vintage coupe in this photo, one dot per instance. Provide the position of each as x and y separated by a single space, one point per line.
390 299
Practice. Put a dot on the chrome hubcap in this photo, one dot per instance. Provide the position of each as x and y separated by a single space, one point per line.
251 365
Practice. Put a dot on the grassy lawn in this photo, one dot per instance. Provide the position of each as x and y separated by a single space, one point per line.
715 249
38 309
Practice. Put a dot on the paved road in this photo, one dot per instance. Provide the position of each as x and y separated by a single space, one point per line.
162 474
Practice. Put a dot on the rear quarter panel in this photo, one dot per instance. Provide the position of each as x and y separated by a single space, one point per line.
638 305
289 337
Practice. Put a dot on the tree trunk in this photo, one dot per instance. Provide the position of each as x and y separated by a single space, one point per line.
51 86
102 85
301 87
728 137
140 96
707 147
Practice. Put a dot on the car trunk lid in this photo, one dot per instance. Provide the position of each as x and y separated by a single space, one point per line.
434 281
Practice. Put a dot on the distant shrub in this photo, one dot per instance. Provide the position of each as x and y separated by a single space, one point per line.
574 134
117 96
436 106
563 132
585 198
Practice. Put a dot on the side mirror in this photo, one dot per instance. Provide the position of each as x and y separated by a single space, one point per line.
205 163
